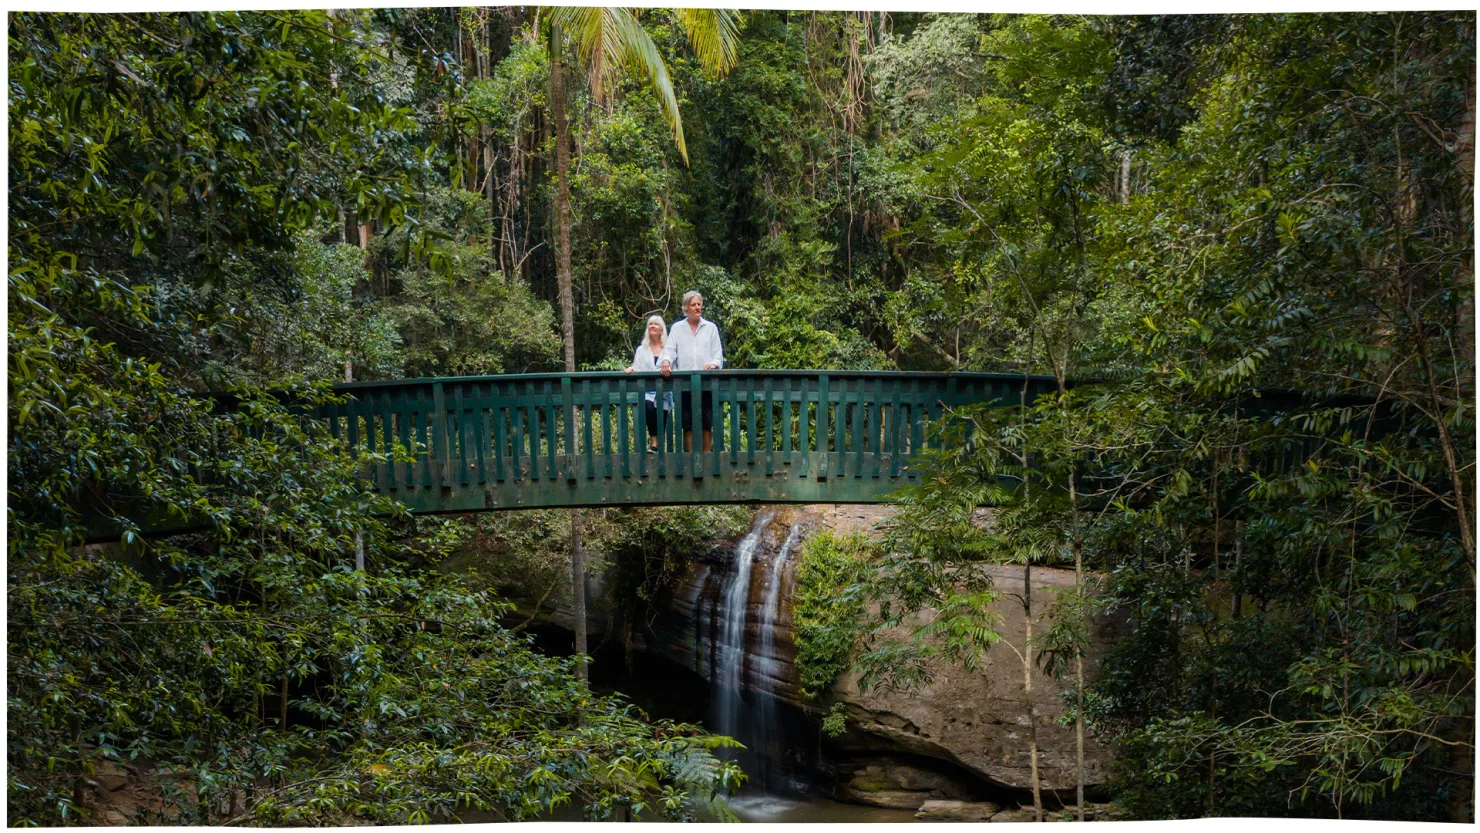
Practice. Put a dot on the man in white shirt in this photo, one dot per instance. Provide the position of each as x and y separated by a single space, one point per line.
693 343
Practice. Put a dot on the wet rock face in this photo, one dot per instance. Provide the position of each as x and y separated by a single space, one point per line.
691 630
974 721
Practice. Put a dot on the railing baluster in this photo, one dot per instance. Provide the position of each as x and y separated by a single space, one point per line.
568 449
403 433
552 431
786 422
500 432
734 397
917 425
752 429
423 438
950 397
352 409
717 427
770 430
383 410
663 427
519 431
824 427
531 428
367 407
876 427
804 447
482 421
696 426
622 412
439 434
858 407
606 426
640 432
586 417
461 435
896 410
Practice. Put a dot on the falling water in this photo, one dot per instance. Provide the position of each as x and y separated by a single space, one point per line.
765 734
746 682
769 675
729 667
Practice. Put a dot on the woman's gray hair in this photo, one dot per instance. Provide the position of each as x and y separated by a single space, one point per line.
662 325
689 296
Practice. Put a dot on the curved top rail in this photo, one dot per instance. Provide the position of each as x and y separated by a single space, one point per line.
601 438
610 438
729 372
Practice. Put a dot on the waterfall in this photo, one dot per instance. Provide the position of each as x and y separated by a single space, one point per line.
742 677
729 672
770 615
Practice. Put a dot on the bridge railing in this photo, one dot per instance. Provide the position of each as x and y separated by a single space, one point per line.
581 439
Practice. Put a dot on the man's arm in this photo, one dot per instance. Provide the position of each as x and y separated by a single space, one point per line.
670 351
716 350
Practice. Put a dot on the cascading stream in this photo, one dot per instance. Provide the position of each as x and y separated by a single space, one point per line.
746 681
765 740
770 614
728 677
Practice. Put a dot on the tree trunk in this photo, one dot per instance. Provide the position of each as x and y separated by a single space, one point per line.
1462 759
562 199
1464 151
1078 652
1028 690
1125 176
578 587
567 313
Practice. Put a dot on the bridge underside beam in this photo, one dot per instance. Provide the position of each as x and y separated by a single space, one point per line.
739 483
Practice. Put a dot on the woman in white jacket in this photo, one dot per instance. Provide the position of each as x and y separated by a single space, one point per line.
646 359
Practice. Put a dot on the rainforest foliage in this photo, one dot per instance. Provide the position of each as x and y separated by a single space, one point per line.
1191 211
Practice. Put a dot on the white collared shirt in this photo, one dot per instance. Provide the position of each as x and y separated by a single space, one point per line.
689 350
643 361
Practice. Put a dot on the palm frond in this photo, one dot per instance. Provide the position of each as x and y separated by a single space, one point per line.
714 34
610 40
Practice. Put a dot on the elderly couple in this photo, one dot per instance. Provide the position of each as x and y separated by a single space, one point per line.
692 344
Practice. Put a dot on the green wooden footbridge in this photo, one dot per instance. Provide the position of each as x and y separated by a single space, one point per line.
581 439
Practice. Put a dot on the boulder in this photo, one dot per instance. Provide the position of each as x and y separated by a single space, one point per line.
948 810
892 799
895 774
1017 815
110 776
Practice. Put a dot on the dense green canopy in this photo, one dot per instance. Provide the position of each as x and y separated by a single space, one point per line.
1189 209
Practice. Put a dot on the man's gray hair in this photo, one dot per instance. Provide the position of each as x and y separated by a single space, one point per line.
689 296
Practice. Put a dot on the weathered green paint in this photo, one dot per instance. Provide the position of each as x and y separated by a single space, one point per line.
564 440
571 440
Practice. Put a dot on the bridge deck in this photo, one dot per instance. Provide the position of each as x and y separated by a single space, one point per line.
555 440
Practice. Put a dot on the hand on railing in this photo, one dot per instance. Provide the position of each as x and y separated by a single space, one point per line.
629 370
667 368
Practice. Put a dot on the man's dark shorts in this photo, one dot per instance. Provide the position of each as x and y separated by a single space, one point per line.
686 409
